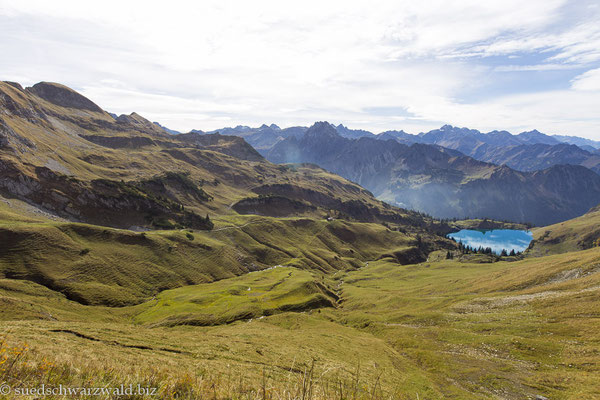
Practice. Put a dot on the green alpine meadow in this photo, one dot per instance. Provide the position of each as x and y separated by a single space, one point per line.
300 201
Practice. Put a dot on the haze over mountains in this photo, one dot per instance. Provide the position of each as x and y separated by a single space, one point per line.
449 172
526 151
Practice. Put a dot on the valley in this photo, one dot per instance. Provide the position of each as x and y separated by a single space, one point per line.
204 267
440 330
315 200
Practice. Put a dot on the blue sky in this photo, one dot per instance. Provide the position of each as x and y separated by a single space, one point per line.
374 65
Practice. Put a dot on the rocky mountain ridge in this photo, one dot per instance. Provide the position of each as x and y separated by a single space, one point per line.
444 182
63 154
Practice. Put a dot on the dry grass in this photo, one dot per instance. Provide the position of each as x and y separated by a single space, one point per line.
572 235
442 329
25 367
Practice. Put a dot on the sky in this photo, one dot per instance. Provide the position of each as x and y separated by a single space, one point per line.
378 65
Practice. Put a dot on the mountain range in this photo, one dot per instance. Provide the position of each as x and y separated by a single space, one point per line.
526 151
64 153
68 158
442 181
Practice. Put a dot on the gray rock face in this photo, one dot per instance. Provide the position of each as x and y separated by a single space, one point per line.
10 139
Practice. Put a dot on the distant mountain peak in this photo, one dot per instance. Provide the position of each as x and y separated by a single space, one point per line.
352 133
171 131
136 120
322 129
534 135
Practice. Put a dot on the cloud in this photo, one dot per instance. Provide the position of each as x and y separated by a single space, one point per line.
588 81
378 66
535 67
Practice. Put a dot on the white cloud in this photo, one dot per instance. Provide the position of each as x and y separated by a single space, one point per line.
589 80
205 64
535 67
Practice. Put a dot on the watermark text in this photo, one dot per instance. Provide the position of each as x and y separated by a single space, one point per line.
60 390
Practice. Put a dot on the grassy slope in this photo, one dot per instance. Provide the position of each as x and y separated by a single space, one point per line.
442 330
97 265
505 329
572 235
250 296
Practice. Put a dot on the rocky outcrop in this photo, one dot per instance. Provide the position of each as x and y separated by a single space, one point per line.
9 139
14 103
102 202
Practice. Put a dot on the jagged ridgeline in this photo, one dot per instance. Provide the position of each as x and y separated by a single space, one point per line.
417 173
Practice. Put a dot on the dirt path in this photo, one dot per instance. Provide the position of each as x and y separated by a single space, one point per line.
235 226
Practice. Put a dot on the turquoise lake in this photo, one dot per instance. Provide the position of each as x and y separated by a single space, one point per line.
497 239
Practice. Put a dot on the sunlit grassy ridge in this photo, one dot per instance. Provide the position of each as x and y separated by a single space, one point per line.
572 235
254 295
50 143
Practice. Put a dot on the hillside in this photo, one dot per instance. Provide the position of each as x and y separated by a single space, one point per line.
573 235
86 263
63 154
443 182
438 330
94 193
